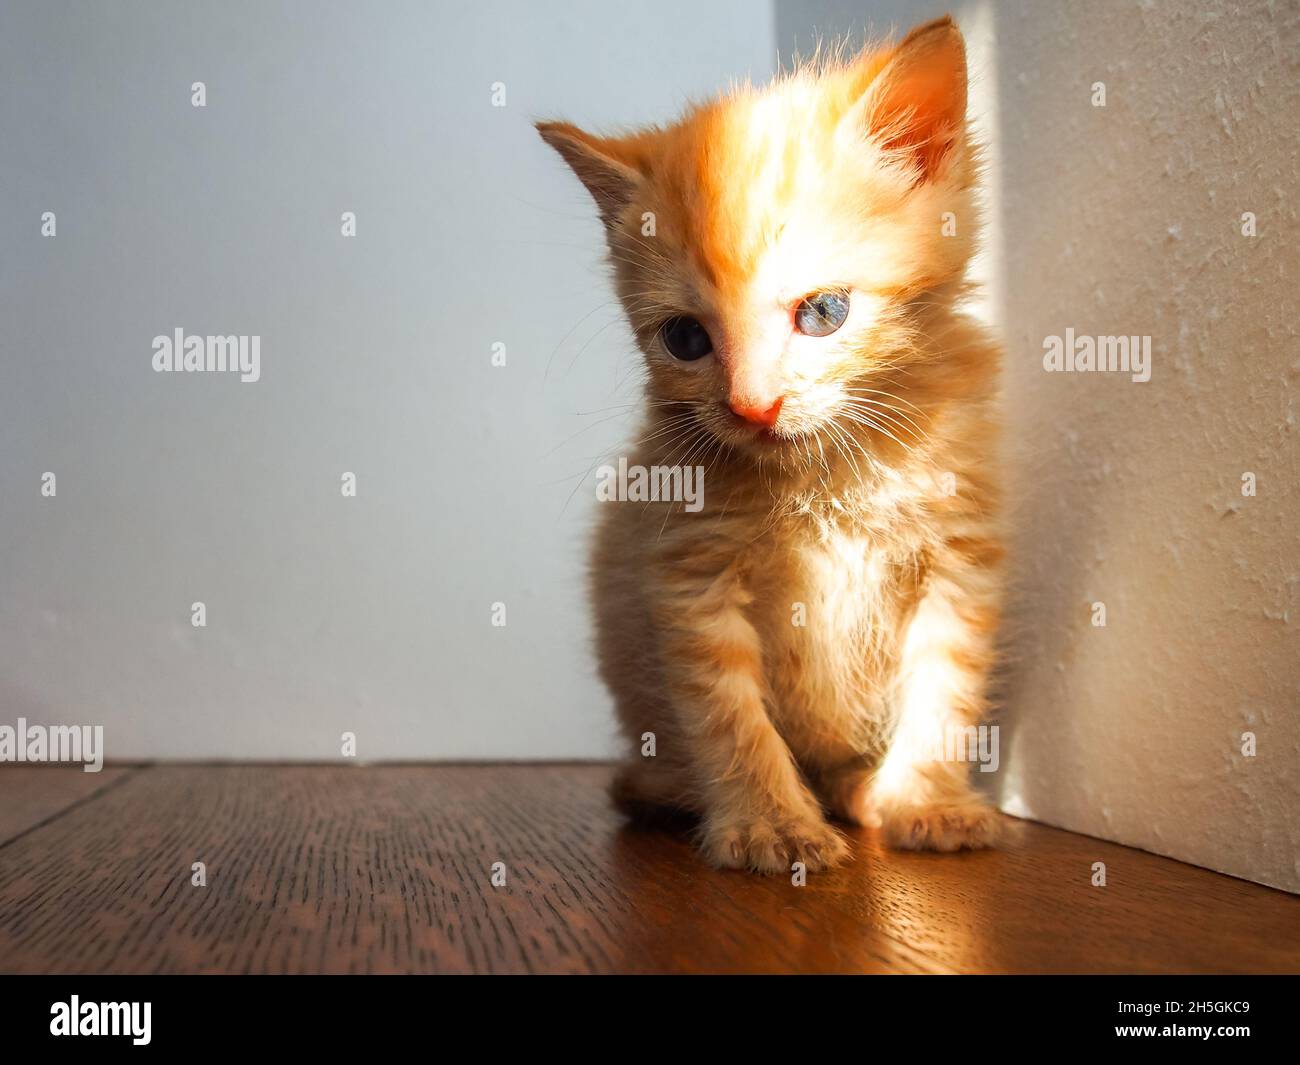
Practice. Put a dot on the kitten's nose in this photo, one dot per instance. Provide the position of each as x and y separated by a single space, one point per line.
756 412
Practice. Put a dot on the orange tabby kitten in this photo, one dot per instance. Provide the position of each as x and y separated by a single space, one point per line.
791 260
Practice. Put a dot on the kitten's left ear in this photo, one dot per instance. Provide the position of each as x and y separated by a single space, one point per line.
609 179
916 101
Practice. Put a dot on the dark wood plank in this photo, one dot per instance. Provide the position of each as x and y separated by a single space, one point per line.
387 869
32 794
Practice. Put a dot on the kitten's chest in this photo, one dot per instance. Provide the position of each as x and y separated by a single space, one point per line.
834 599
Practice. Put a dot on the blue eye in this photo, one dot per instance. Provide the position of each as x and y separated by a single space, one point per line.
822 313
685 339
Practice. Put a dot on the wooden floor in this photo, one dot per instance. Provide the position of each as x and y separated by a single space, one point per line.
389 869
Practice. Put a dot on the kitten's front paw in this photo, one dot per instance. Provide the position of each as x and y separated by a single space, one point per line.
773 844
941 826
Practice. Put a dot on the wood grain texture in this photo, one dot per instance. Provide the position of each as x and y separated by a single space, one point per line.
388 869
32 794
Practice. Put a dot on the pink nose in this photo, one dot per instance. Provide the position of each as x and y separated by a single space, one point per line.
755 412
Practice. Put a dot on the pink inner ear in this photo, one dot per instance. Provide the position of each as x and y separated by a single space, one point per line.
929 97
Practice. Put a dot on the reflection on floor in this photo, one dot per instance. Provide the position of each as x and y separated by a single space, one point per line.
527 869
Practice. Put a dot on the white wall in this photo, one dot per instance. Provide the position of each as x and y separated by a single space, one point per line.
325 614
1127 219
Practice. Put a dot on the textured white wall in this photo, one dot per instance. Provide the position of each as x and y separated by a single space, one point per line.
325 614
1126 219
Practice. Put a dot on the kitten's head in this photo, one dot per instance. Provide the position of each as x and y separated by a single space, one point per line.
777 250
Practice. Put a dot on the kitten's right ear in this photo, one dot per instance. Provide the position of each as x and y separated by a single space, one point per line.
609 179
915 101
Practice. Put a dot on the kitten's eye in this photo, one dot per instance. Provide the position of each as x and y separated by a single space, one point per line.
821 314
686 339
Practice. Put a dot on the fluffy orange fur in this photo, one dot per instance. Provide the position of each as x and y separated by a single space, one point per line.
799 646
